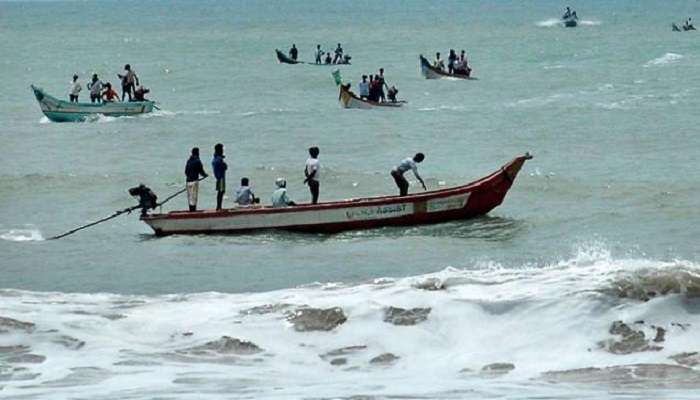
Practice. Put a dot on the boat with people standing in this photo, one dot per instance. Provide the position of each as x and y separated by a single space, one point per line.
69 111
435 72
456 203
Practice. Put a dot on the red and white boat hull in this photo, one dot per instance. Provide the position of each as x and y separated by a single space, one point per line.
461 202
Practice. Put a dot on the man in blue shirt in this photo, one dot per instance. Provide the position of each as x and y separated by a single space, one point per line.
219 166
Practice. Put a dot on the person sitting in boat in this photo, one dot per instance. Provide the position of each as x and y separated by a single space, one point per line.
391 94
95 88
140 93
346 59
328 59
688 25
245 195
567 13
319 54
293 52
573 15
462 66
109 95
279 196
438 63
364 88
338 55
75 89
407 164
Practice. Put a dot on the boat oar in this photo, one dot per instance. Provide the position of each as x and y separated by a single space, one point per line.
118 213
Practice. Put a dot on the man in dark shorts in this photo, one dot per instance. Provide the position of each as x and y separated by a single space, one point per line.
219 166
404 166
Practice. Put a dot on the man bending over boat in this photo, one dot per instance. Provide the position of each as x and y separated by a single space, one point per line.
193 170
403 167
279 196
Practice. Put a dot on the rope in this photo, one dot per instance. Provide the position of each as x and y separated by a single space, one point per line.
118 213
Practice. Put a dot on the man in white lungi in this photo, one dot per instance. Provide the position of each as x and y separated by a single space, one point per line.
193 170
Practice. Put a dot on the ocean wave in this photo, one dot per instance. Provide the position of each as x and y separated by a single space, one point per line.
21 235
525 326
551 22
666 59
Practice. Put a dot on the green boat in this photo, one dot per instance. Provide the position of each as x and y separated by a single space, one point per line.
64 111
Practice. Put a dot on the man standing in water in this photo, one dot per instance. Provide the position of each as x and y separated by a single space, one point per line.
403 167
312 171
219 166
193 170
75 89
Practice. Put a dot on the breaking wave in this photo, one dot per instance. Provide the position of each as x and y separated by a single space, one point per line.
591 320
21 235
668 58
551 22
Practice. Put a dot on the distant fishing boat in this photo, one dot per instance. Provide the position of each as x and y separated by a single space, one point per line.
64 111
284 59
430 72
456 203
349 99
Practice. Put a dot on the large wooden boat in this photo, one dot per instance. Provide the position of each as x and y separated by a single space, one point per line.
348 99
456 203
430 72
64 111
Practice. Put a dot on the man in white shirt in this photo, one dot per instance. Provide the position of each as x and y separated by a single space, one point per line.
244 194
312 172
279 196
75 89
364 88
95 88
403 167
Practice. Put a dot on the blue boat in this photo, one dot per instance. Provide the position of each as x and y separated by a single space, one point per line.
64 111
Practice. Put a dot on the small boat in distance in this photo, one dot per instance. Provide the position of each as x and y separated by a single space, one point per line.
430 72
64 111
456 203
349 99
284 59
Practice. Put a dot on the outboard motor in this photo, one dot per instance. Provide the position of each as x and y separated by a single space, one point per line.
147 199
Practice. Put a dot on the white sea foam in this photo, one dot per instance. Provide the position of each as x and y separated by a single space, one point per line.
537 317
666 59
21 235
548 23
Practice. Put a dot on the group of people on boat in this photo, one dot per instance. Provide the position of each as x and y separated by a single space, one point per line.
372 88
103 92
337 57
194 172
455 65
687 25
568 14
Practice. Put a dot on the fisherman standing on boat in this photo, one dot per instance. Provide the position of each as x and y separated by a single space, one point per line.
293 52
364 88
75 89
338 55
219 166
279 196
567 13
95 88
193 170
403 167
312 172
319 54
451 59
382 84
129 81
